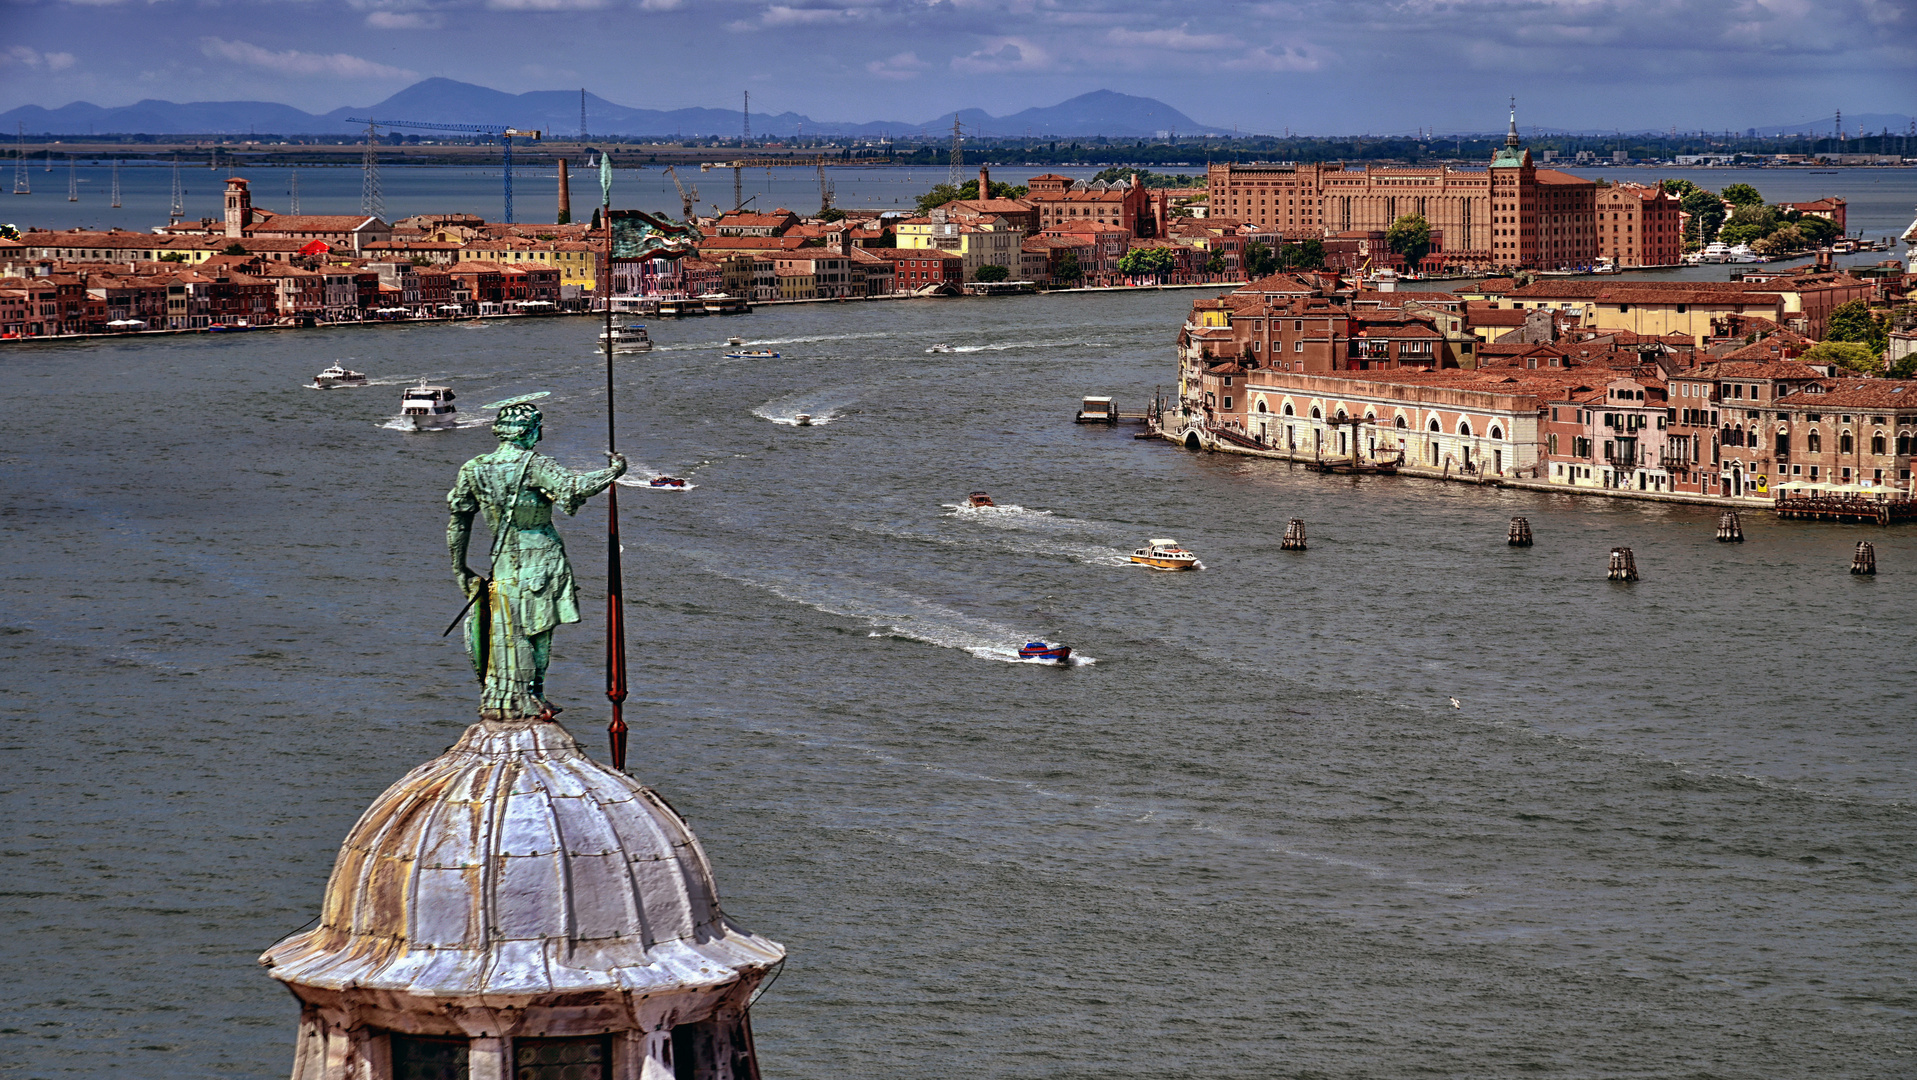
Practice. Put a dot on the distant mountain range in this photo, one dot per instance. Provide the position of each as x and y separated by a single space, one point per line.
446 101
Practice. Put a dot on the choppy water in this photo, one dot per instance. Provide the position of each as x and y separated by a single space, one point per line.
1669 832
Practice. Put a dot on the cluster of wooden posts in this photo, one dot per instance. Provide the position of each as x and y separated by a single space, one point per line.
1623 564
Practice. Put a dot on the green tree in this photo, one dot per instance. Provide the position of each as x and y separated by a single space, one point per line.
174 256
1854 321
831 213
595 219
1845 354
1678 186
1068 269
1259 260
1707 213
1215 264
1817 231
1410 236
1742 195
992 273
945 193
234 248
1307 254
1152 262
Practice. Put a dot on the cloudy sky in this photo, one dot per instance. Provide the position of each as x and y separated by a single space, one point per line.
1318 66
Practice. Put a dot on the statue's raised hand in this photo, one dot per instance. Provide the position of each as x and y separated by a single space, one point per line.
619 465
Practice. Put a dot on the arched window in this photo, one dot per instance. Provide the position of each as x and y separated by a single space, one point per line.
1497 434
1341 415
1261 405
1315 414
1845 444
1399 421
1288 411
1434 424
1877 443
1814 442
1464 428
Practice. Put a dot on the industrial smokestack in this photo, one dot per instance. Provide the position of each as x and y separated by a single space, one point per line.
984 182
565 195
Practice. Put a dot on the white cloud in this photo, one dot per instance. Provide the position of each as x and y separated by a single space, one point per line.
294 62
1004 54
403 20
905 65
35 60
545 5
661 5
1177 39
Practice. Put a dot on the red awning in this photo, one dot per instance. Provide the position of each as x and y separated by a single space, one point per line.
317 247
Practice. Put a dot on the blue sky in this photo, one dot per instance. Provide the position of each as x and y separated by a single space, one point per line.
1317 66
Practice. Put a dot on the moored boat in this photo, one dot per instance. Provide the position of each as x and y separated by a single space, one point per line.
428 408
1165 554
631 337
1039 650
338 375
979 498
1096 410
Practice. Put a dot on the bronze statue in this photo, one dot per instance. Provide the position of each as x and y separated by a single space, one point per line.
531 590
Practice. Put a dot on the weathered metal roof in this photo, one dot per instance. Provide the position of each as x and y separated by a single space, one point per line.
514 864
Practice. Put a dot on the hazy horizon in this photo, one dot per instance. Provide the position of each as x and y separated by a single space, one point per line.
1312 66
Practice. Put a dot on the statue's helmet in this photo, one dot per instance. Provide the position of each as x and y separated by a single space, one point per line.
517 421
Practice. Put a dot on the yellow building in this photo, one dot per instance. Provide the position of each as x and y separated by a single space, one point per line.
1656 312
977 244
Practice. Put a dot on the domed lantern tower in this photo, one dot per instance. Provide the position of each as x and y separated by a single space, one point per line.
513 910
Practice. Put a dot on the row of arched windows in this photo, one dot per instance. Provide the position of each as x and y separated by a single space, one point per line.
1464 426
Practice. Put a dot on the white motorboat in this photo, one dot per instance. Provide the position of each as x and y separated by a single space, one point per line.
338 375
1165 554
428 408
941 347
1716 251
1741 253
631 337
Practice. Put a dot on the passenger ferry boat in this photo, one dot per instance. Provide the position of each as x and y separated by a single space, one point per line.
1165 554
338 376
428 408
629 338
1039 650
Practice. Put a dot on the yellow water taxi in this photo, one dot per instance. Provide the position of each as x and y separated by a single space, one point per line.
1165 554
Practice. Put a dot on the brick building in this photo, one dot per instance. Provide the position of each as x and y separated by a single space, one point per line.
1639 226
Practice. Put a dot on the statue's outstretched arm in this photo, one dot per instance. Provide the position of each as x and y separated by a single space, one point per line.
459 530
569 490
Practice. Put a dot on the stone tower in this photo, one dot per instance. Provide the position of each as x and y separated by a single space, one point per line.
513 910
239 207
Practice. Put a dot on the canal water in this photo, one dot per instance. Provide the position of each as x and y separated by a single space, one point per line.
1666 829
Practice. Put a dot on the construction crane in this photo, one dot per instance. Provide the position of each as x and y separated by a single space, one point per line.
686 202
825 189
505 136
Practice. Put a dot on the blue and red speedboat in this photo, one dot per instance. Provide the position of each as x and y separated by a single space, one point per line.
1039 650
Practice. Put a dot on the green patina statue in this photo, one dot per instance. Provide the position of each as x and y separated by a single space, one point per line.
531 590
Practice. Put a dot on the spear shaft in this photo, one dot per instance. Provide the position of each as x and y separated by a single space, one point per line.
615 583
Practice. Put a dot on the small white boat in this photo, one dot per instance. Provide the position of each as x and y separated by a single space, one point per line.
752 354
338 376
1165 554
735 341
1741 253
428 408
1716 251
629 338
941 347
802 420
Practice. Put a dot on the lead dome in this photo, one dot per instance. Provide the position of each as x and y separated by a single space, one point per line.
511 905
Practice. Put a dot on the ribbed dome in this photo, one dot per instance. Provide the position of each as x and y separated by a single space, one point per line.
514 864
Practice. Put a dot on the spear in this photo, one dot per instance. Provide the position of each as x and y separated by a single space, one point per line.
615 585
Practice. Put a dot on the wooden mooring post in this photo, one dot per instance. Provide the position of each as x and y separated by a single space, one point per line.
1623 565
1865 560
1730 529
1520 535
1294 536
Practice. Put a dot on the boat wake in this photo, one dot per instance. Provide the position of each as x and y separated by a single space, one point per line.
400 423
1003 346
641 476
892 612
818 409
1002 513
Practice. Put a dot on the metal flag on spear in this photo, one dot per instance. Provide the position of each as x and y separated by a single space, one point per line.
615 585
